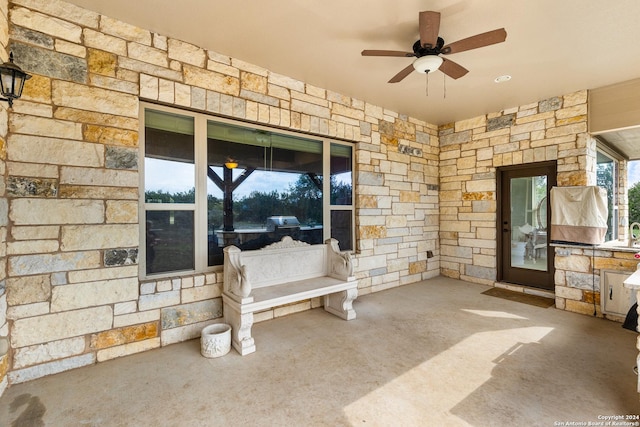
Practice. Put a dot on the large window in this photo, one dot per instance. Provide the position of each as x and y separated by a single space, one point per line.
607 178
210 183
169 192
633 185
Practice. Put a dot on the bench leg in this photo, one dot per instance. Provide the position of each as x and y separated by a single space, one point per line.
241 324
341 303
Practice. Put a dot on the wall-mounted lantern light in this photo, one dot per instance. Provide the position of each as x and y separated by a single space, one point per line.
12 80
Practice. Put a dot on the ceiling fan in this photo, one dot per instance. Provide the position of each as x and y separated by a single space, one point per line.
428 48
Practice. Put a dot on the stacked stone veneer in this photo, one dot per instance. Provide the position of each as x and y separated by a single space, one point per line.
4 326
471 150
577 277
623 201
73 290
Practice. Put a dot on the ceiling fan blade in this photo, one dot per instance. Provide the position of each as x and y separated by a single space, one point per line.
452 69
402 74
429 25
474 42
386 53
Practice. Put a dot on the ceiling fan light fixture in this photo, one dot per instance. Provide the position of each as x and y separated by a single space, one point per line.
427 63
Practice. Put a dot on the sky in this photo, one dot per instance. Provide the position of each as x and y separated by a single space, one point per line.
261 181
173 177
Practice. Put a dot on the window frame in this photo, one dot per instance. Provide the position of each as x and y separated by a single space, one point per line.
616 159
199 207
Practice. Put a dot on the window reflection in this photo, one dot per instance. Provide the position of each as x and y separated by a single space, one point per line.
529 219
169 169
276 186
341 176
169 181
276 189
341 229
169 241
606 177
169 178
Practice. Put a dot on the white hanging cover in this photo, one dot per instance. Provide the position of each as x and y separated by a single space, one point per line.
579 214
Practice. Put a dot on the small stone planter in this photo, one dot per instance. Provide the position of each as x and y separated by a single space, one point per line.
215 340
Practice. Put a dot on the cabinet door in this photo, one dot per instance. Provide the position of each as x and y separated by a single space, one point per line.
614 297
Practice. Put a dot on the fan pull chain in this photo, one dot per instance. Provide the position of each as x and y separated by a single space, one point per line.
426 85
444 86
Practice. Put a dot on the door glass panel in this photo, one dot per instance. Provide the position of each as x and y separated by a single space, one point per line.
529 222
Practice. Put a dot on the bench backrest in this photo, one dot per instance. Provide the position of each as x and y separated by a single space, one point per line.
279 263
285 261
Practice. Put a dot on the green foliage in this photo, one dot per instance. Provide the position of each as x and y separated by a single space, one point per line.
605 179
214 212
634 203
164 197
303 199
341 193
257 206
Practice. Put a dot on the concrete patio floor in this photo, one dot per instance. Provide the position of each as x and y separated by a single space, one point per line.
435 353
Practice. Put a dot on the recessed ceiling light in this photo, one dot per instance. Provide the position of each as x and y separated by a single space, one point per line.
502 79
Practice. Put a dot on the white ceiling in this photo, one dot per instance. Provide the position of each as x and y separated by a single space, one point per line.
553 47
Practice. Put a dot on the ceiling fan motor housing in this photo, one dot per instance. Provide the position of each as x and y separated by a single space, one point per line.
420 50
427 56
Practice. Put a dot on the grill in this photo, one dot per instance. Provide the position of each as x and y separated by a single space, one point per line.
275 223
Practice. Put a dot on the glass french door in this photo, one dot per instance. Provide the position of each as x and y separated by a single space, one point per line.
524 256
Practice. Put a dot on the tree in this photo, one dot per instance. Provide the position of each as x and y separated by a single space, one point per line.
604 179
257 206
304 200
341 192
161 196
634 203
214 212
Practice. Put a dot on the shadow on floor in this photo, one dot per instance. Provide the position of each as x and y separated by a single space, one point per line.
436 352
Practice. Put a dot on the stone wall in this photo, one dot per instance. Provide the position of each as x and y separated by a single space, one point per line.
4 326
71 184
397 207
623 201
577 276
73 290
471 151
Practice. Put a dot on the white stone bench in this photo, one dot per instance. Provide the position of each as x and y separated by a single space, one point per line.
282 273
